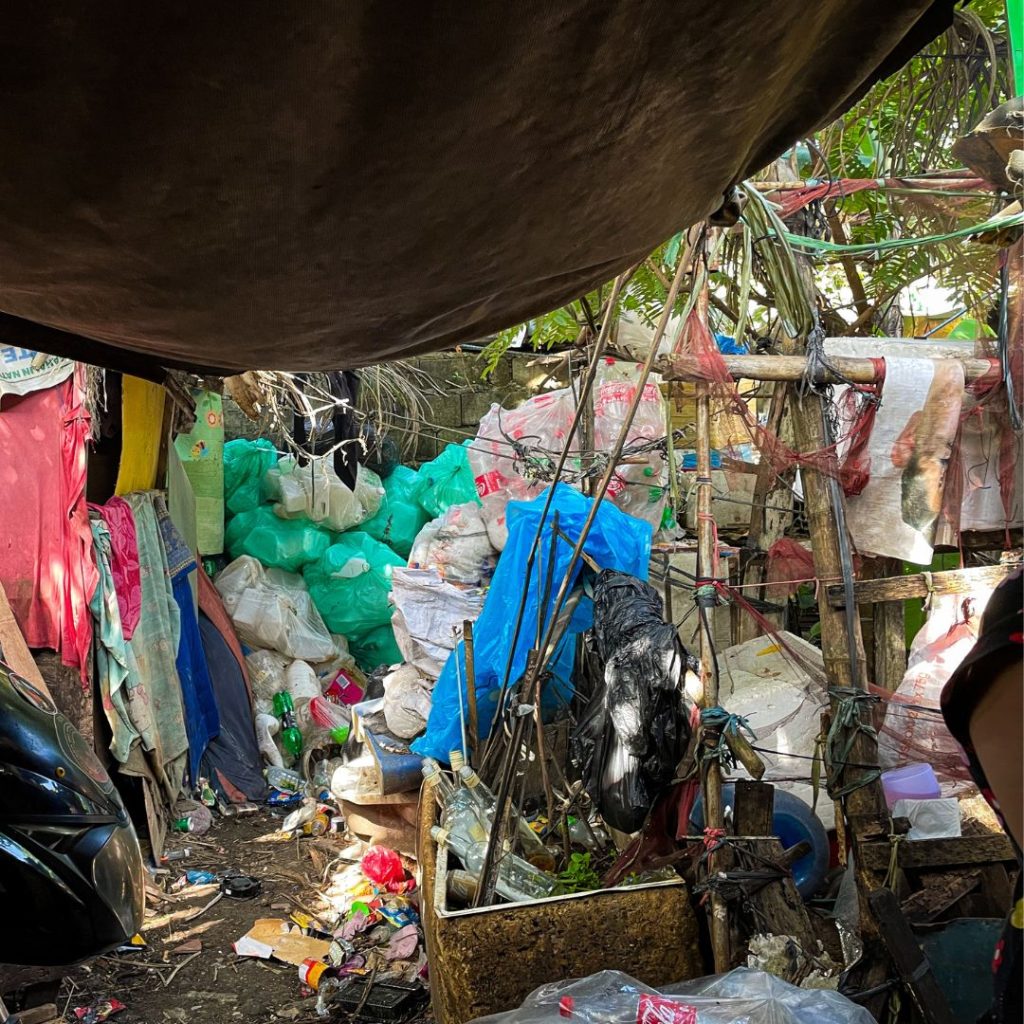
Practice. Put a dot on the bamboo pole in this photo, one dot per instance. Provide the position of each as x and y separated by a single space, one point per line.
792 368
712 772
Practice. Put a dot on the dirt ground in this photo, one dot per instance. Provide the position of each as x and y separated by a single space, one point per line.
159 985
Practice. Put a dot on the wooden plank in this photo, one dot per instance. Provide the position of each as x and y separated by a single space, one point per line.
939 853
911 964
889 633
792 368
14 649
902 588
941 890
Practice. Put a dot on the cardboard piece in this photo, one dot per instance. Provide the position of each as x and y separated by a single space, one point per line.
273 938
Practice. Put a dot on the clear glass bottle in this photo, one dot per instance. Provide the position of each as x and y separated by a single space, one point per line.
533 846
459 813
517 879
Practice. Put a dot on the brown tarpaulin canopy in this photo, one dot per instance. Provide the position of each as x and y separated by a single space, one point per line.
312 185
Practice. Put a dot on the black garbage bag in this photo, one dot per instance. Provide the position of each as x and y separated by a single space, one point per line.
635 725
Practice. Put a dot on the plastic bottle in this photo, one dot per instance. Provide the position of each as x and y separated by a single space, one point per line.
285 779
291 738
206 793
517 879
533 846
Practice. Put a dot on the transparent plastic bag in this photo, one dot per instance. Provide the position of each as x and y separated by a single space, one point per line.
272 609
457 545
741 995
500 475
351 584
639 489
275 542
369 492
245 464
406 701
315 492
266 673
446 481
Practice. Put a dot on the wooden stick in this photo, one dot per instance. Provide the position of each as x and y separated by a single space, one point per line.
792 368
901 588
911 964
474 721
712 772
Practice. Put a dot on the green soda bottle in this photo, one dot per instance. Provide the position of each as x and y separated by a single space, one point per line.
291 738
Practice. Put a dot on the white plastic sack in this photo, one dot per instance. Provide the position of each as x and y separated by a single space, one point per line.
407 698
930 819
782 701
272 609
457 546
428 612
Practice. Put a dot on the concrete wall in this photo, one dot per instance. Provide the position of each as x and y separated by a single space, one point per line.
460 400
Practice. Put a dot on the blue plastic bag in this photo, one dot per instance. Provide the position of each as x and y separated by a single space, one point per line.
616 541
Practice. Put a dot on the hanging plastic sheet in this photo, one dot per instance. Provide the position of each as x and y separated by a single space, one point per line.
616 541
142 419
897 511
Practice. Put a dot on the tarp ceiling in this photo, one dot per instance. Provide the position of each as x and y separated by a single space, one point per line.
314 185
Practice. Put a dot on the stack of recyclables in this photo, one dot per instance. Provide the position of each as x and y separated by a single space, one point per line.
752 997
457 546
315 492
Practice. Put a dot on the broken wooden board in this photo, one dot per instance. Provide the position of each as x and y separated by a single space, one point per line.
939 853
941 891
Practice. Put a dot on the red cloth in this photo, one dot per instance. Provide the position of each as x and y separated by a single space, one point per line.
46 560
124 561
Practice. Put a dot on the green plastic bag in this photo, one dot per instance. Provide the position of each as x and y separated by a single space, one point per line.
278 543
245 465
377 648
400 517
446 481
351 583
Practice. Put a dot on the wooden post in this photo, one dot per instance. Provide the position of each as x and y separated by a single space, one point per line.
710 770
766 525
866 802
890 634
474 719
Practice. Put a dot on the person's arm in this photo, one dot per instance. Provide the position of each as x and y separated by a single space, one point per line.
997 734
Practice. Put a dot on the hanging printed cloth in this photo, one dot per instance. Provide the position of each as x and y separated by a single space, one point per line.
155 704
46 562
200 703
